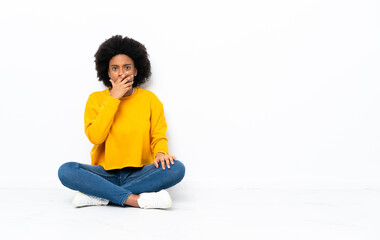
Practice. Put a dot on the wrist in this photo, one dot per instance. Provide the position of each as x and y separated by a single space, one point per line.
112 95
159 154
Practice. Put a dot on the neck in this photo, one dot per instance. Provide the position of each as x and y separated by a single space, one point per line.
129 93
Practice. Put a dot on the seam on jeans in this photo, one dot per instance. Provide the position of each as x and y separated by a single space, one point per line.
125 176
140 179
122 178
96 173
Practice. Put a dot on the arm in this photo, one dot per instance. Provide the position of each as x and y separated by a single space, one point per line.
158 140
98 118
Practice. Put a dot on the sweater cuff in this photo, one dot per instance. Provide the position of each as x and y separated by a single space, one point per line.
112 101
160 151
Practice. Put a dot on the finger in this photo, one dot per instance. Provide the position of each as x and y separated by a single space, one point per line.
123 76
128 79
128 86
124 79
162 164
168 162
112 82
171 160
175 158
128 83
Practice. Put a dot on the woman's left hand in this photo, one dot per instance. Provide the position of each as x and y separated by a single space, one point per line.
164 159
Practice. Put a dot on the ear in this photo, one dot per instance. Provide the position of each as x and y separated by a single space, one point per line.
136 72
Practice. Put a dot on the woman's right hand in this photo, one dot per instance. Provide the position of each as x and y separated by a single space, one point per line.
122 85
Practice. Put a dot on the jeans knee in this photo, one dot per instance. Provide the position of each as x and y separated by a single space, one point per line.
180 170
65 170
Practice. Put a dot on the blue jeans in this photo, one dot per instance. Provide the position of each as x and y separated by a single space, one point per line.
118 184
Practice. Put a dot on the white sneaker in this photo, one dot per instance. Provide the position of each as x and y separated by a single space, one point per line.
159 199
81 200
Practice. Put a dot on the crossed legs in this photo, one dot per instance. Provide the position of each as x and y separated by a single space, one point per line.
121 186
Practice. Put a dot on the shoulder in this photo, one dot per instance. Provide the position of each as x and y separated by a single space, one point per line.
98 96
145 92
102 93
148 94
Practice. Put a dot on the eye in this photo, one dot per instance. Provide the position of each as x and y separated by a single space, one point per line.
114 68
127 67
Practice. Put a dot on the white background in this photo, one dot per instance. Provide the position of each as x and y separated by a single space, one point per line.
255 92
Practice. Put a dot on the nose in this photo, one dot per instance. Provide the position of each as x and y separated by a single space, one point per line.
121 72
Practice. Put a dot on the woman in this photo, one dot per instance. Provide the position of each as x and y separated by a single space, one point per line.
130 163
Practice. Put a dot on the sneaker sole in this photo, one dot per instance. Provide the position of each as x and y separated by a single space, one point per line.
76 200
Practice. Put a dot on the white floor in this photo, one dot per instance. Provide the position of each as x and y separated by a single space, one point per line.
198 212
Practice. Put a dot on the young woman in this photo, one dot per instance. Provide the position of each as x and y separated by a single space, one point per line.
130 162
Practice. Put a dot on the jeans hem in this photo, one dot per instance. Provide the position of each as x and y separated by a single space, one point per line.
125 199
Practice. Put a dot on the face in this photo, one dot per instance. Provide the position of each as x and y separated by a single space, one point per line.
119 65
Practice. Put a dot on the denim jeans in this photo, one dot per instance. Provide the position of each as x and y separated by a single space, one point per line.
117 185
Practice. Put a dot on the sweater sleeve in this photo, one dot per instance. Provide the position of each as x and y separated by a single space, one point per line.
159 142
98 117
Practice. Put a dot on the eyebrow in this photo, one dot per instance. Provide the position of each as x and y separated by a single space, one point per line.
123 65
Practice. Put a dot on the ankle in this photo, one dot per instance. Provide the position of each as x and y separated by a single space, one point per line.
132 200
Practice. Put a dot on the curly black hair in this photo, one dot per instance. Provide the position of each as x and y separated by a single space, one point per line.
128 46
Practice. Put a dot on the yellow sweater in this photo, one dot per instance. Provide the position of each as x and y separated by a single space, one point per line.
126 133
